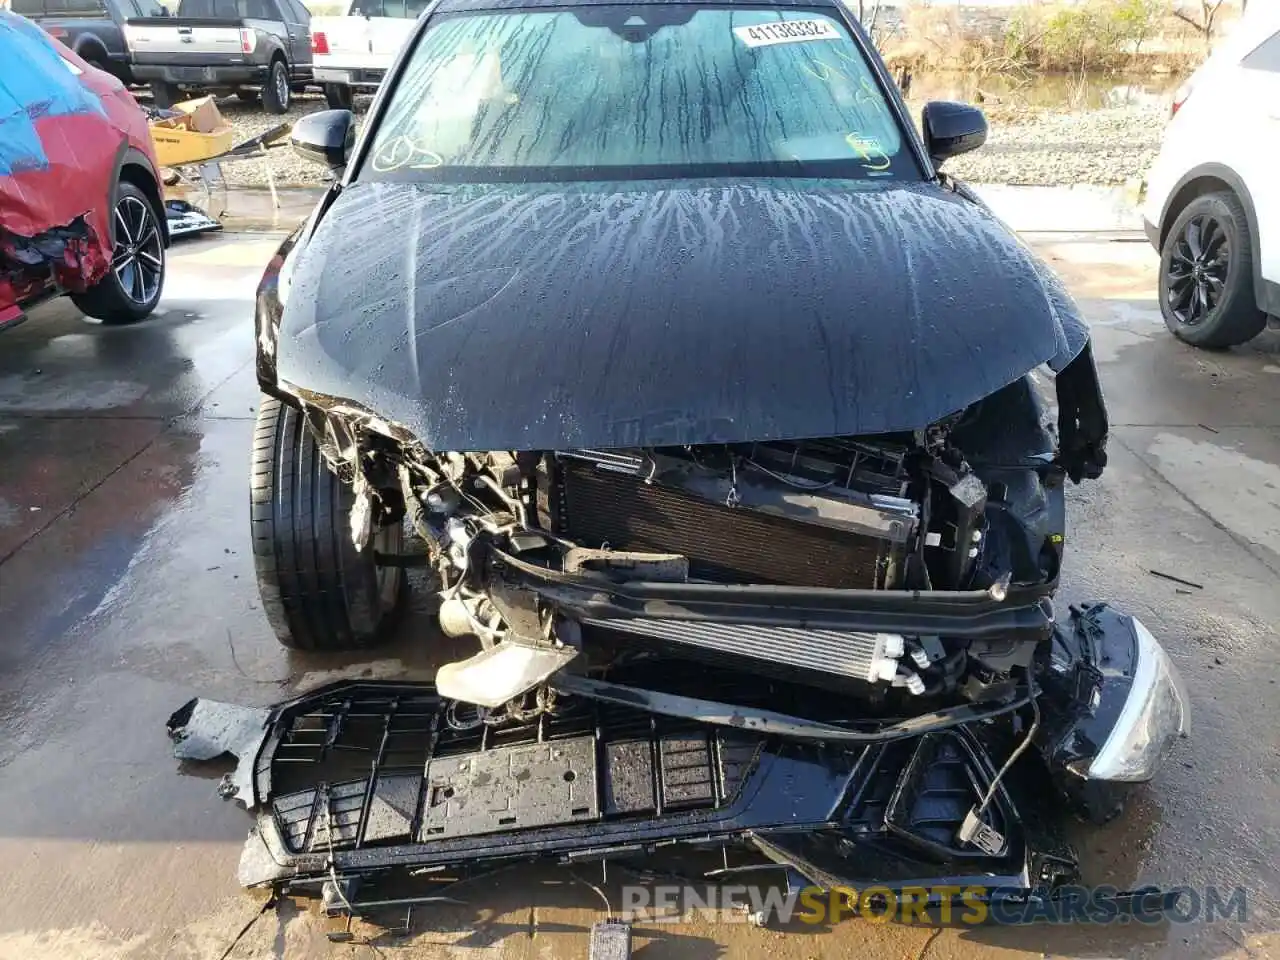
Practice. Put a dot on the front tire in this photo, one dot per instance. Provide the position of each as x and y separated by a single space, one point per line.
131 289
164 95
1206 275
339 96
318 592
276 95
97 60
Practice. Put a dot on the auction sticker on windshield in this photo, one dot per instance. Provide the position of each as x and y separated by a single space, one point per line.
786 31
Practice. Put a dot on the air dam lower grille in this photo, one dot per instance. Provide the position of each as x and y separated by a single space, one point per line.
857 656
600 508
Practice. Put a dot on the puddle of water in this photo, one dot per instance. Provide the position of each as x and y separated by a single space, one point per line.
1045 90
252 209
35 392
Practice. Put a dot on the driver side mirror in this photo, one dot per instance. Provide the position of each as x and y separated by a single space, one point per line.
951 129
326 137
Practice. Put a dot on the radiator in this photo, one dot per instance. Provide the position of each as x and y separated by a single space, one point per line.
603 508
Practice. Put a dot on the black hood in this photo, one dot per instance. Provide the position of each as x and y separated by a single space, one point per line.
518 317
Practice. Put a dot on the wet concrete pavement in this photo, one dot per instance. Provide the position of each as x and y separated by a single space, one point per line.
126 587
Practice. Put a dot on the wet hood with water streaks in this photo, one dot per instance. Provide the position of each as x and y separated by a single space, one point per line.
554 316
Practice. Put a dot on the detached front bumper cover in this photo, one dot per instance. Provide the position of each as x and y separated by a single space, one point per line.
367 776
362 781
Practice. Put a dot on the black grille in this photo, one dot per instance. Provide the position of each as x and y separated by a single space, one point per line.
599 507
349 773
919 791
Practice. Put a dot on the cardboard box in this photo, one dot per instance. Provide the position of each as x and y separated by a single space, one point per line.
197 133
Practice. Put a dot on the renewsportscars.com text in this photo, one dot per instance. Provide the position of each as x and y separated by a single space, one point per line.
945 904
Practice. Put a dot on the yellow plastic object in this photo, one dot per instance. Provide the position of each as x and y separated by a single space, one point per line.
200 132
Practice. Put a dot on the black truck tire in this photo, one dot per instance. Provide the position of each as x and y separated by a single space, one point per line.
1206 275
249 95
165 95
96 57
339 96
318 592
276 95
131 287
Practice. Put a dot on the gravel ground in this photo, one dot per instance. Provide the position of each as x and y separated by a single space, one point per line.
1025 146
249 120
1105 146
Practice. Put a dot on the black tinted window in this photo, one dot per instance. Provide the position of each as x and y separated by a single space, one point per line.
398 9
69 7
228 9
205 8
29 8
1266 57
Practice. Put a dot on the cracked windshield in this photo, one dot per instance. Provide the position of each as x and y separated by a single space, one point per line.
641 91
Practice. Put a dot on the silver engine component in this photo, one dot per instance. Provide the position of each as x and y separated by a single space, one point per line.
871 657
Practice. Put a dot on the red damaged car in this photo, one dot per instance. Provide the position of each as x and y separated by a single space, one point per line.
80 203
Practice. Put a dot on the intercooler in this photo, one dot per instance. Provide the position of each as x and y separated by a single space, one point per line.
600 506
849 655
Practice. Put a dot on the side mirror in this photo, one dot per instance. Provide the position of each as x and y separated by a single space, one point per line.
326 137
951 129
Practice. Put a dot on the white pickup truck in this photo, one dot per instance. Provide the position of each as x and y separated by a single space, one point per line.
353 53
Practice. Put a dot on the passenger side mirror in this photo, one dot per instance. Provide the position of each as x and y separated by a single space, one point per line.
951 129
326 137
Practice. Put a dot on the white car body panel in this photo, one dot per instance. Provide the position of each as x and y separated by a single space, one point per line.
1231 120
361 48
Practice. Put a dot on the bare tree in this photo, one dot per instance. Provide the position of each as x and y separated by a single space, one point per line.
1203 19
875 15
862 14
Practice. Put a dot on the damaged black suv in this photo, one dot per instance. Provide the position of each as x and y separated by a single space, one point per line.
715 412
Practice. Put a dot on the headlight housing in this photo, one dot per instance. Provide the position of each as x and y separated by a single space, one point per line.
1155 712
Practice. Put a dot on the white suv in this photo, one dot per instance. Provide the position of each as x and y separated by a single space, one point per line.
1213 195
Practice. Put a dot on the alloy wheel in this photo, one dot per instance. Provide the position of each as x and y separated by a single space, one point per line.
1198 268
281 80
138 257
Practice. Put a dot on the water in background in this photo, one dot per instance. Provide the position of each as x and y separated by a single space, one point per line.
1045 90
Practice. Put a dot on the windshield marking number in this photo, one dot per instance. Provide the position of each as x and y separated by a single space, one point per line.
786 31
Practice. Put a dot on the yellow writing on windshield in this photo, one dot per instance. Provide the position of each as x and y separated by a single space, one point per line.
869 151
